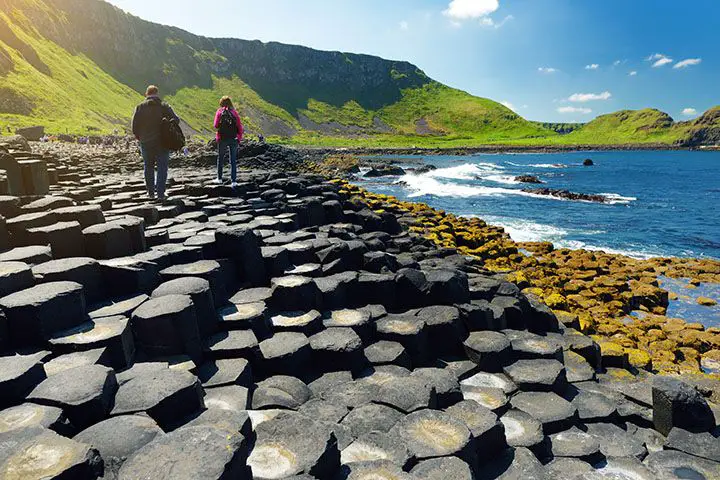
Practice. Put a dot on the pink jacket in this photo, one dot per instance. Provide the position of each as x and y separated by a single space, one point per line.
237 119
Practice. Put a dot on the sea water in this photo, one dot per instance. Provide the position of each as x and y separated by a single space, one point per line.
659 203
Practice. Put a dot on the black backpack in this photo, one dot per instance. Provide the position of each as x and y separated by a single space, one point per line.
172 136
228 126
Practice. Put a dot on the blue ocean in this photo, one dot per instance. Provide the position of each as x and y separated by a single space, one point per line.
659 203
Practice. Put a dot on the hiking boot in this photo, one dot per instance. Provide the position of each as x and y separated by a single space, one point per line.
218 181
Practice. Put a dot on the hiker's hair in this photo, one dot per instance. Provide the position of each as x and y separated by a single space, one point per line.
151 90
226 102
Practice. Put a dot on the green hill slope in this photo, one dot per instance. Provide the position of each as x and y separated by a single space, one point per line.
79 66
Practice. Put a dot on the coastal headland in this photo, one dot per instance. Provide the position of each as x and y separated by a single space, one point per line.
299 326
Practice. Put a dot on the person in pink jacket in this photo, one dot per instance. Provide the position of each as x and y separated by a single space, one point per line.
229 135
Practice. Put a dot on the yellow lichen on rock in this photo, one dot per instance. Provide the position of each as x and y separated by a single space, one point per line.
594 291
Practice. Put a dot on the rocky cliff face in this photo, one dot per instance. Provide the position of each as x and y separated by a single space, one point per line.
137 52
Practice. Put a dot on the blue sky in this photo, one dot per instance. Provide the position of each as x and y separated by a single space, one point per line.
551 60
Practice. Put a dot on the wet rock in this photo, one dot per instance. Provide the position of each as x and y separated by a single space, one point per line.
84 393
527 179
190 453
567 195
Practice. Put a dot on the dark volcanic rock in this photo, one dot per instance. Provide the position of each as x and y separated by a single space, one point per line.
567 195
527 179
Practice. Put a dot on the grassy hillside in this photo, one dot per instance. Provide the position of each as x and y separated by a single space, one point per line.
78 66
69 93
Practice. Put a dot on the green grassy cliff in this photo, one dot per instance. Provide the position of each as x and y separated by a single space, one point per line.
79 66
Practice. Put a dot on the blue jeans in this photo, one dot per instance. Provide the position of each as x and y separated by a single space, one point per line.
154 155
223 147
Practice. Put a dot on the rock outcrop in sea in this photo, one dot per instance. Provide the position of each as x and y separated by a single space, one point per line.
295 327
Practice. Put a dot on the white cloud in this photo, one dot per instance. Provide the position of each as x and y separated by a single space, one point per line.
689 112
592 66
589 97
509 105
581 110
489 22
617 63
659 60
633 73
547 70
404 25
688 63
471 9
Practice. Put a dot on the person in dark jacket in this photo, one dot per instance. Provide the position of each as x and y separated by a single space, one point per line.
146 126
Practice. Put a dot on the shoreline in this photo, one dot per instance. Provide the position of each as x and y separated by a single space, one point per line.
490 149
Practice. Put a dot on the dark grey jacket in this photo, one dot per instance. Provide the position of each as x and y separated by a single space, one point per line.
148 117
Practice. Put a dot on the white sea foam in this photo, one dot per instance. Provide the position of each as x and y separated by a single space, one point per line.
547 165
506 179
613 198
522 230
526 231
466 171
